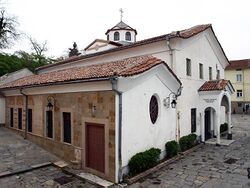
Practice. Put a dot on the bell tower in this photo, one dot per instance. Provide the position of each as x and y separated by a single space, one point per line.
121 32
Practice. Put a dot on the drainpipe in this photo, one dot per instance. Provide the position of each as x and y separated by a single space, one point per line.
113 81
170 53
26 109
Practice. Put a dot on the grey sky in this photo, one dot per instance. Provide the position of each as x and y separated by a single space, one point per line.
61 22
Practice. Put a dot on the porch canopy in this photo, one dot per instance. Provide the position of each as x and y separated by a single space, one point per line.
215 97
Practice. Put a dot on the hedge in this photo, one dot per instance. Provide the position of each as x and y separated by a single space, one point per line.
172 148
143 160
188 141
223 127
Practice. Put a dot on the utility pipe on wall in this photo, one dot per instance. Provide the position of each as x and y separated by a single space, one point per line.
113 81
26 114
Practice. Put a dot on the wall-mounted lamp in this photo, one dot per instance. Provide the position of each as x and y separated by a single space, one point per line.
93 110
51 100
167 100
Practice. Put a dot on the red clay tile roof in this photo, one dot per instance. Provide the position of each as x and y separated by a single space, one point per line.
214 85
123 68
187 33
239 64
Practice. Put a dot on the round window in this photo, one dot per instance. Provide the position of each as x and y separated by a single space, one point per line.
153 109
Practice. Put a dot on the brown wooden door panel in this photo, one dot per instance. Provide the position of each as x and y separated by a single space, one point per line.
95 146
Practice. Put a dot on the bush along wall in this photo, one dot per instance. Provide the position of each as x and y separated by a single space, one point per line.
223 127
143 161
172 148
187 142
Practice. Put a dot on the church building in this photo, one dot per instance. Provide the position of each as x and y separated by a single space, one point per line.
123 96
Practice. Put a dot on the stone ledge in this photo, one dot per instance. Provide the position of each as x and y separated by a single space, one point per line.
160 165
23 170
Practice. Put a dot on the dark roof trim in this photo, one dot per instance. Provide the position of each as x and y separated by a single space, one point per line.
135 44
220 45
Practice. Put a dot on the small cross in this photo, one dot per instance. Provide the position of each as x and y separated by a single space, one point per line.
121 10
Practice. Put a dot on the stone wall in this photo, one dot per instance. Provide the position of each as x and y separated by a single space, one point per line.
80 105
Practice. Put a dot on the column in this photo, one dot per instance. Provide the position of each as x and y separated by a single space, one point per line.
202 128
218 127
229 136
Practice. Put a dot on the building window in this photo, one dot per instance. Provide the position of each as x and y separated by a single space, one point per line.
188 67
201 70
193 120
107 37
239 104
218 75
67 127
49 124
29 120
20 118
116 36
11 117
239 93
210 73
128 36
239 77
153 109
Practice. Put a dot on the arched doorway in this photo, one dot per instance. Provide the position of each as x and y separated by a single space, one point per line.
227 113
209 123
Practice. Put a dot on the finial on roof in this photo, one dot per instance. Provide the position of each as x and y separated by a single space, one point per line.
121 11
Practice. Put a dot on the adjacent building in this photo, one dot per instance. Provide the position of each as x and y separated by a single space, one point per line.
239 73
10 77
124 96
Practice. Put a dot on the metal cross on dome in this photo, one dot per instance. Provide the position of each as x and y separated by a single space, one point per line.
121 11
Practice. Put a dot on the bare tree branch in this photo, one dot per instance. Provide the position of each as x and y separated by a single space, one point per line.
8 31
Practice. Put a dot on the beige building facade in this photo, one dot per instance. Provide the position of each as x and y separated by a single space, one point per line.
238 72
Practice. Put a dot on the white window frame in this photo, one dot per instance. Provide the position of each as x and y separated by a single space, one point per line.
239 93
239 77
201 71
188 67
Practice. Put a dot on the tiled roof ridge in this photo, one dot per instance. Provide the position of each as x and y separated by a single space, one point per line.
185 33
95 72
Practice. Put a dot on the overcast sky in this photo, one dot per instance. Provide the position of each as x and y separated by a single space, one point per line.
61 22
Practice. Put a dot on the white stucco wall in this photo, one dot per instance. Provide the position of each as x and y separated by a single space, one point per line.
200 49
15 75
122 35
138 132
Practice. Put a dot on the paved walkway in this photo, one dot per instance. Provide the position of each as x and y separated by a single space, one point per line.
207 166
18 154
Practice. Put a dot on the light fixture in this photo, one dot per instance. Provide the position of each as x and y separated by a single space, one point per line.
93 110
167 103
173 103
50 105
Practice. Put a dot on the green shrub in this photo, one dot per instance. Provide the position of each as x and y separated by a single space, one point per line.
143 160
223 127
187 142
171 148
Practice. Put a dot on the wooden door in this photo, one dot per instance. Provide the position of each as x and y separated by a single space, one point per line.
95 146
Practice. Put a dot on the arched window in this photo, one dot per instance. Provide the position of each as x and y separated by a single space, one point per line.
128 36
116 36
153 109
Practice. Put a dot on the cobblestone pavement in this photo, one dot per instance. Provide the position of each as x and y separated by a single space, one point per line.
17 154
206 166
